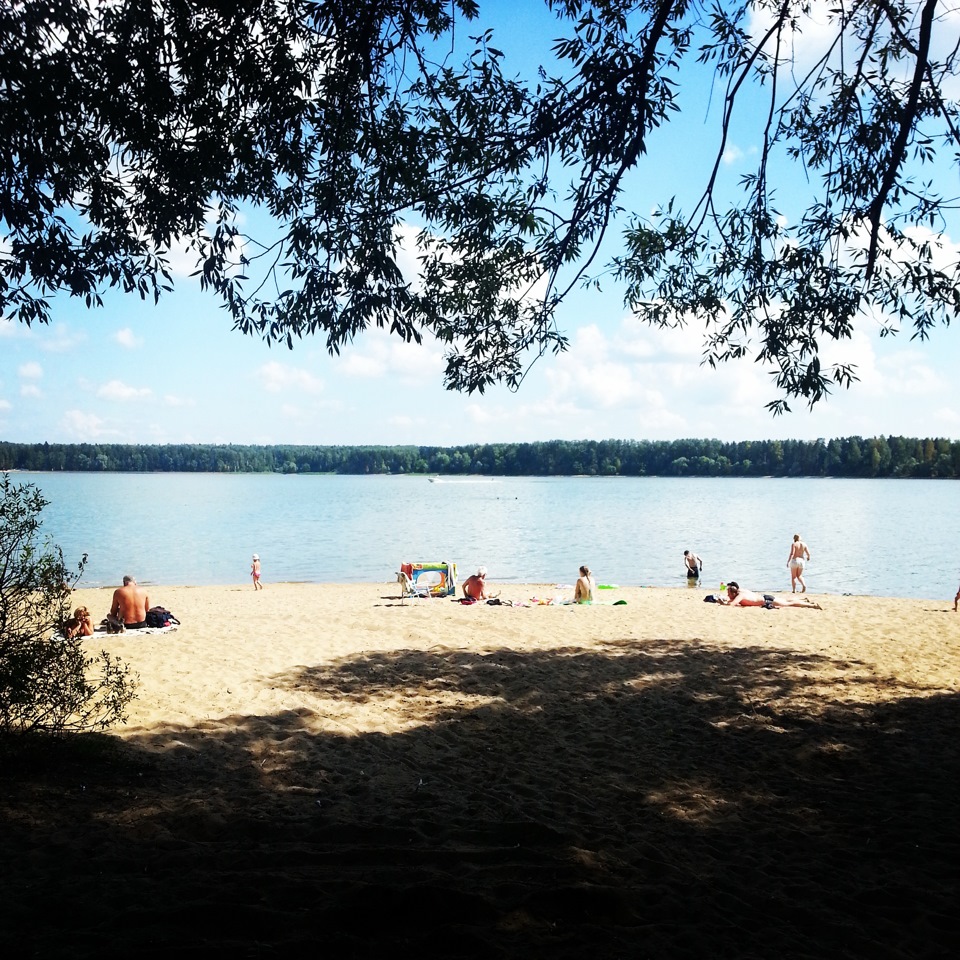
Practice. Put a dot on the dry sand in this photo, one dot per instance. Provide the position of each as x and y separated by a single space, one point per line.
328 768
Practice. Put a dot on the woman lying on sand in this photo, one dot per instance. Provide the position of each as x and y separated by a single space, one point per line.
747 598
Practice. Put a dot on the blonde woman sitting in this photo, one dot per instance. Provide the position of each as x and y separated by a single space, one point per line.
583 593
79 625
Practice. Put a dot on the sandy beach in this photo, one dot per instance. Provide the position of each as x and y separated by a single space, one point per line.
328 766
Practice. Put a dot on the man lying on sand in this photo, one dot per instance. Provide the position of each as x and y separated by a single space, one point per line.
747 598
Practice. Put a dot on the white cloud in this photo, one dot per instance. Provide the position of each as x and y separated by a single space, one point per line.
732 154
82 426
5 405
908 373
122 392
171 400
359 365
127 338
31 390
183 261
380 354
817 29
275 377
949 420
30 370
11 328
59 338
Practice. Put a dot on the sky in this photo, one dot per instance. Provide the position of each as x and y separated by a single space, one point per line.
133 372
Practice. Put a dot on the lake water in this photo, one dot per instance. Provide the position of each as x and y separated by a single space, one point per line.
877 537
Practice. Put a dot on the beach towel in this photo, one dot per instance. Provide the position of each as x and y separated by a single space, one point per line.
101 631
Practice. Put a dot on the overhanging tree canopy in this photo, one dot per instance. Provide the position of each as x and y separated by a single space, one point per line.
134 127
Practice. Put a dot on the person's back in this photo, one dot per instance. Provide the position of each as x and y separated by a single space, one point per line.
585 586
795 562
130 604
798 549
475 586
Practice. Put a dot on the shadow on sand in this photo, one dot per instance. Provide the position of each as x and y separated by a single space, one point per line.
634 800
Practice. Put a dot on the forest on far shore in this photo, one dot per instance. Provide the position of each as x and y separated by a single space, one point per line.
842 457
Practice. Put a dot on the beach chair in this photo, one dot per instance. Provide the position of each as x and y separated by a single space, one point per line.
430 579
408 588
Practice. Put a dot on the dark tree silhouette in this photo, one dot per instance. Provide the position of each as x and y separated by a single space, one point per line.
370 134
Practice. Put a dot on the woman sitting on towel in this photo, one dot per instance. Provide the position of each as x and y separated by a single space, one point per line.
585 586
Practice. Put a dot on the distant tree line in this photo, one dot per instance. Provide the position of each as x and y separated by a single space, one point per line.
846 457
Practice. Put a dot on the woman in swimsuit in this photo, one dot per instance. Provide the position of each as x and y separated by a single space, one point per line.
584 589
795 561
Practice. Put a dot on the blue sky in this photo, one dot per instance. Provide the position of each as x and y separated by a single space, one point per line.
135 373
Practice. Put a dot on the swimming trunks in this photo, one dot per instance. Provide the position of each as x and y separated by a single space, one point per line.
796 563
693 572
136 626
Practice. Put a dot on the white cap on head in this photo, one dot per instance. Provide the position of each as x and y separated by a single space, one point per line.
256 557
482 572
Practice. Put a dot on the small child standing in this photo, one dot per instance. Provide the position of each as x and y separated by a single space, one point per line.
255 573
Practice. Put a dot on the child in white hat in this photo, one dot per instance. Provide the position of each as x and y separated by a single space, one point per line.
255 572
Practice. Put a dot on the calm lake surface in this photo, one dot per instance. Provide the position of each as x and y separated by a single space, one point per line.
876 537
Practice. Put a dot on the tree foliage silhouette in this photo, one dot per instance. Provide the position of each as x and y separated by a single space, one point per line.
48 681
413 181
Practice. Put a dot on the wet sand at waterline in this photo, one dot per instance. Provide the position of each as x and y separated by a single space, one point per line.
331 767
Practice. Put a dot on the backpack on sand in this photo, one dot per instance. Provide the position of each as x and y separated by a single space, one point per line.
159 617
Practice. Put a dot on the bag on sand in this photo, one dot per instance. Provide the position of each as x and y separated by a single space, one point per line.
159 617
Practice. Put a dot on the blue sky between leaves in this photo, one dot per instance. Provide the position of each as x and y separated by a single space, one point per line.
137 373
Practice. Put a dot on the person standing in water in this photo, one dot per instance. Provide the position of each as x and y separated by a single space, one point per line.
798 556
255 572
694 565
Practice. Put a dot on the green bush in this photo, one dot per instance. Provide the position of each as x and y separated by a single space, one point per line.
47 682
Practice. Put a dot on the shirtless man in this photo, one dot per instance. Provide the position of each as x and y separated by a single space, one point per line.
475 586
694 564
795 561
130 604
747 598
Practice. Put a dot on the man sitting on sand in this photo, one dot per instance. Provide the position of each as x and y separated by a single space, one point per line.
747 598
130 604
475 586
